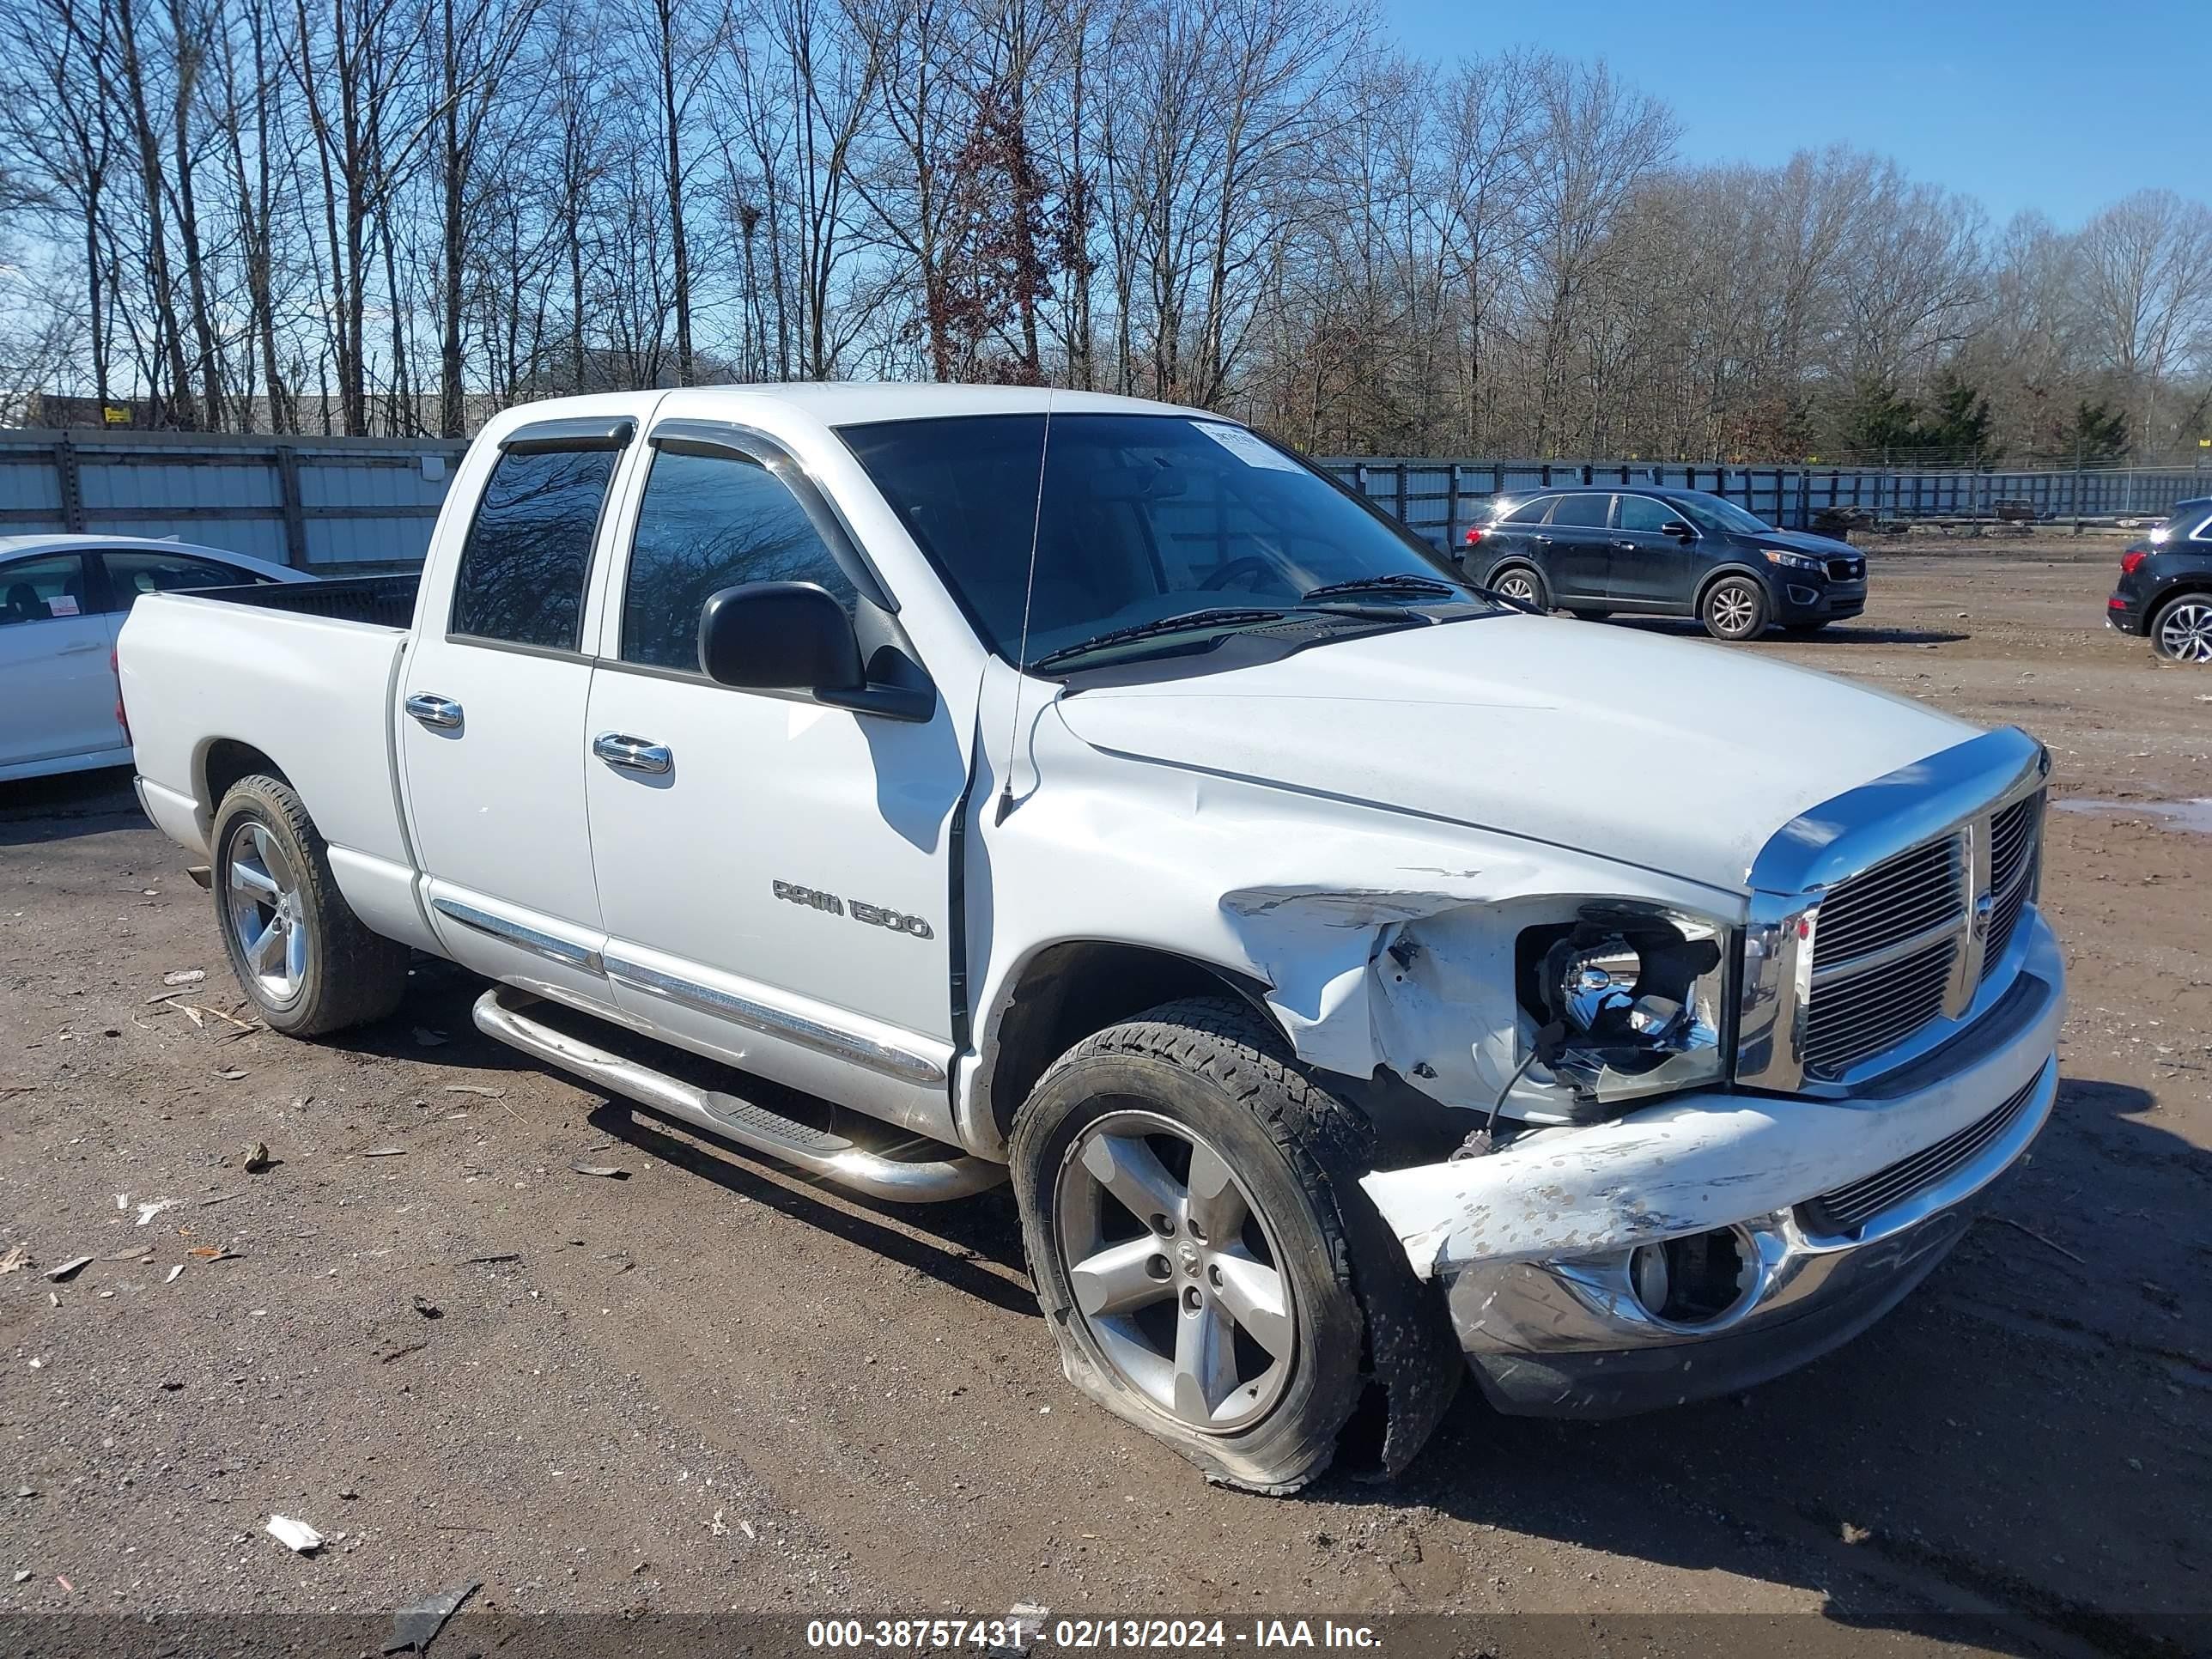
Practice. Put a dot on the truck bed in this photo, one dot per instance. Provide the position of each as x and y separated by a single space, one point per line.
296 678
380 601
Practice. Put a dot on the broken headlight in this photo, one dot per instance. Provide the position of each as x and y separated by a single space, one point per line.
1627 1000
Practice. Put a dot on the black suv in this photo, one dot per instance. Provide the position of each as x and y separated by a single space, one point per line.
2166 585
1664 553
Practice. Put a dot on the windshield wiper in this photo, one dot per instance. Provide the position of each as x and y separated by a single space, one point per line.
1221 616
1396 582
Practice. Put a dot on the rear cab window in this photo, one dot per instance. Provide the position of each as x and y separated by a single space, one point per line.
529 549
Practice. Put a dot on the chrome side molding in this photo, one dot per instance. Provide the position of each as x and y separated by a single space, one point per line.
877 1054
549 947
499 1014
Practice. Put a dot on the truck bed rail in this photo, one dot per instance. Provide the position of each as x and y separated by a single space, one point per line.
378 601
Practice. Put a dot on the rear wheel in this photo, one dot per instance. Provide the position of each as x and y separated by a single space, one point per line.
1734 609
1522 585
2182 630
1186 1244
299 952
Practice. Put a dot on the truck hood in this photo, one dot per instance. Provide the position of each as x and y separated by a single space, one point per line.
1670 753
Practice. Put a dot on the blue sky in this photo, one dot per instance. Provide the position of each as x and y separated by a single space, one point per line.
2033 104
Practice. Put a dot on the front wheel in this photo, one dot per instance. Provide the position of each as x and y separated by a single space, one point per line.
307 962
1186 1244
1734 609
2182 630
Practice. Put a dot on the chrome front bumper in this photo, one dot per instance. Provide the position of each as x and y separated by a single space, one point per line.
1533 1242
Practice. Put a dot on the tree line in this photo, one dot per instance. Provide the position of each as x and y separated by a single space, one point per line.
394 216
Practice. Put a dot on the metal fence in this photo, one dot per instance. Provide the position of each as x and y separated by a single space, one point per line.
321 504
1438 499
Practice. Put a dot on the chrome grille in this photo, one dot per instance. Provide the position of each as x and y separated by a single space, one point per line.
1921 889
1850 1018
1851 1208
2016 837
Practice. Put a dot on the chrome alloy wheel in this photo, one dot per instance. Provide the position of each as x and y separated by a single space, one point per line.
1175 1271
2184 631
1734 608
266 911
1516 585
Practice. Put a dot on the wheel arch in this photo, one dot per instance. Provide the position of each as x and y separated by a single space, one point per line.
221 763
1068 990
1712 578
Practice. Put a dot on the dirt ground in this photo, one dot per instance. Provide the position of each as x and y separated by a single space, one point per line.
711 1386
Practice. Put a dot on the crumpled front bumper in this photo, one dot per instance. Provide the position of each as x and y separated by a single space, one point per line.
1533 1242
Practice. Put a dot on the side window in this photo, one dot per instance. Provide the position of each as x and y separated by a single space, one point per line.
523 567
1582 512
709 522
1641 512
1531 512
130 574
39 590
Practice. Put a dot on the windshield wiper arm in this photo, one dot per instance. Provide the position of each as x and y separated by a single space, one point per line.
1218 616
1396 582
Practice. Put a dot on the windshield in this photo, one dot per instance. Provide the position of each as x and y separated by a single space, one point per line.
1722 517
1144 518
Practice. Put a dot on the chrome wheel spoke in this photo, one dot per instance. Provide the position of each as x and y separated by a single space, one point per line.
1122 1278
1132 1171
295 952
1215 1207
263 951
1252 1294
250 878
1205 1362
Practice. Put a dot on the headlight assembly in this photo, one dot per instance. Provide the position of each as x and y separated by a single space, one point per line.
1627 999
1794 561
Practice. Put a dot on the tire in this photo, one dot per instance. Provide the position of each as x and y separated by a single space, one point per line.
2182 630
1199 1078
1523 582
1734 609
321 970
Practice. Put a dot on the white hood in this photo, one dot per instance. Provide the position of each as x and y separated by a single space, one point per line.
1671 754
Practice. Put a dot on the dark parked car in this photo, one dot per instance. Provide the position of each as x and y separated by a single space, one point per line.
2166 585
1664 553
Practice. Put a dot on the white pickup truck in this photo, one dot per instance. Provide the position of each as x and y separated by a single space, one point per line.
1350 970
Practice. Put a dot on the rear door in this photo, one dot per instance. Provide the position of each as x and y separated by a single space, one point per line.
774 872
57 687
494 692
1578 547
1650 569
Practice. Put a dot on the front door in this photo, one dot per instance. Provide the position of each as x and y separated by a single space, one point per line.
1651 570
772 872
56 687
1578 548
494 695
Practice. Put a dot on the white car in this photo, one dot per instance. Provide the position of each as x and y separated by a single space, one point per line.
63 598
1350 971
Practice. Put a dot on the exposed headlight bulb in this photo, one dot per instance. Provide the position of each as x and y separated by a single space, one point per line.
1636 996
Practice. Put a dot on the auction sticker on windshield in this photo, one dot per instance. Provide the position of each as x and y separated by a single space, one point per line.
1246 448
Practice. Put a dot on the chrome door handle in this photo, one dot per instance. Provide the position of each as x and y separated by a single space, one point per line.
432 710
632 754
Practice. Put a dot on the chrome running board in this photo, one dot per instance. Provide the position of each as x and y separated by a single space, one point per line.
832 1156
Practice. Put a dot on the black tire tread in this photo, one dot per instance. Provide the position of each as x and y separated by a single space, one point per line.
360 976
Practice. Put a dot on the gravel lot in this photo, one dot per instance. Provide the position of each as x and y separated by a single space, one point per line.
711 1386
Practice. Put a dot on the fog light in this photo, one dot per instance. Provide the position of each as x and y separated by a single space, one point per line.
1693 1280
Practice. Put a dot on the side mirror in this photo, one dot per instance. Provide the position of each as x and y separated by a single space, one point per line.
779 636
1676 527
